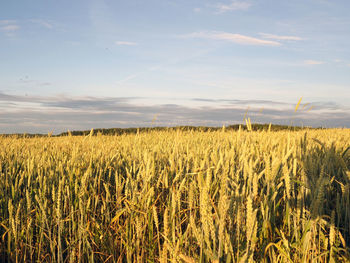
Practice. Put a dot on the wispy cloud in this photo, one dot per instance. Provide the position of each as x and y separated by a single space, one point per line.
130 77
42 23
125 43
235 38
232 6
279 37
9 27
7 22
313 62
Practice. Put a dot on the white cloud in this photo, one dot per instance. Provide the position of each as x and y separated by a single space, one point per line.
130 77
235 38
313 62
9 28
125 43
7 22
233 5
197 10
277 37
43 23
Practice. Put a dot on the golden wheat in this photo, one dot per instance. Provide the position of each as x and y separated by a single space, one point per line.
191 196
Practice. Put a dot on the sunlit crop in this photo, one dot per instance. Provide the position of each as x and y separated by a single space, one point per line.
177 196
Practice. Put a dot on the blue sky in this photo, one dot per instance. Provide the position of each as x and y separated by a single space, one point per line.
103 63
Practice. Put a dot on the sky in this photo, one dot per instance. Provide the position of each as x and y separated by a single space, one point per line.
82 64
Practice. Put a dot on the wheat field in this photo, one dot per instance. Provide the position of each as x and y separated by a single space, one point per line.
177 196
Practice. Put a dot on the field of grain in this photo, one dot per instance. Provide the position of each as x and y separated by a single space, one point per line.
177 196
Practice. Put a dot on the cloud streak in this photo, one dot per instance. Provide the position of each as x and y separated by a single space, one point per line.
7 22
279 37
125 43
232 6
9 26
42 114
313 62
42 23
230 37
